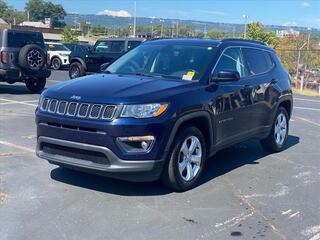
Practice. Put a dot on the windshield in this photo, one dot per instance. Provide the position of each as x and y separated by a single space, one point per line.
185 62
57 47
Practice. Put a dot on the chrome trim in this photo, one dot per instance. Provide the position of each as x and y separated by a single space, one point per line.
113 113
75 112
65 109
54 111
78 111
90 114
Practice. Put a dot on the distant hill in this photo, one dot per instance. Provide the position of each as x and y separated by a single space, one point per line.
121 22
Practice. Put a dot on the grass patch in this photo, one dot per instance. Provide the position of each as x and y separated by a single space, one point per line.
306 92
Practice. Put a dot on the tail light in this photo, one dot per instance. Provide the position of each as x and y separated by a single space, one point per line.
48 59
4 57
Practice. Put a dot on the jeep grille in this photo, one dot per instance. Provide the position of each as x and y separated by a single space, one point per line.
78 110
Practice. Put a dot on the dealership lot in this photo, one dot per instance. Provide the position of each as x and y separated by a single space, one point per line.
245 193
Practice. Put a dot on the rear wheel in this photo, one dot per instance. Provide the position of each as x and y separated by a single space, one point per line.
278 136
56 63
35 84
76 70
187 159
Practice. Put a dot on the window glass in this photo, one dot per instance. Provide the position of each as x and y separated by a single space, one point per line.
185 62
133 44
258 61
109 46
231 60
56 47
20 39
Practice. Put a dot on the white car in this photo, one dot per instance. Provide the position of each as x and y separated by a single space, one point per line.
59 54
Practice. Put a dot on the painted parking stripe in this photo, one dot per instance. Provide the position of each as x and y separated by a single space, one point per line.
308 121
17 102
8 144
307 100
307 108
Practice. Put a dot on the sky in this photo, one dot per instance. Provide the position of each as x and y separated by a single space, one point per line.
304 13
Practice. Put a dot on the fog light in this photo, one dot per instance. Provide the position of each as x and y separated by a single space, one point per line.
136 143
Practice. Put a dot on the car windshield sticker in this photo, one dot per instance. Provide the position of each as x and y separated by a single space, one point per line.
188 76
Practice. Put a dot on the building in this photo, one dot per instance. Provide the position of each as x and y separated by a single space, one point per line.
35 24
288 32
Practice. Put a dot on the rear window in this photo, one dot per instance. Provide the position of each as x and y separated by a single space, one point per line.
20 39
258 61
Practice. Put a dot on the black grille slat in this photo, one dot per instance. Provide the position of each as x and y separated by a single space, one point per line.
83 110
95 111
53 105
62 107
108 112
72 109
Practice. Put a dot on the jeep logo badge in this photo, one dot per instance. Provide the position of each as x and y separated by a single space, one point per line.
75 97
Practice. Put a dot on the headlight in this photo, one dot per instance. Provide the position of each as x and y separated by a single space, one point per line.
144 110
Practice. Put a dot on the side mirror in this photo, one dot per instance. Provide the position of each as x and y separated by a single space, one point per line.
104 66
226 76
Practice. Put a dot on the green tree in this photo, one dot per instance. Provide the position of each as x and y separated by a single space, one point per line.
215 33
9 14
39 10
69 36
256 32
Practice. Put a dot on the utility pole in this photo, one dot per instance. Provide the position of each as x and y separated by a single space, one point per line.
162 21
177 29
298 61
134 19
245 17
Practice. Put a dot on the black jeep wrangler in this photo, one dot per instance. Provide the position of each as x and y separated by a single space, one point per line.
104 51
23 58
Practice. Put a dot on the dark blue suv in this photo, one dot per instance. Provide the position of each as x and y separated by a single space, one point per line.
162 109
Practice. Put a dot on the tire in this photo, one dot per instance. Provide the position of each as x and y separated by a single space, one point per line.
56 63
278 136
178 180
35 85
31 58
76 70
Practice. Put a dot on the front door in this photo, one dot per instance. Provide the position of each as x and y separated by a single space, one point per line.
231 100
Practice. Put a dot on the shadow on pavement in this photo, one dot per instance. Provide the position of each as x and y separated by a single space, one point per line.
249 152
15 89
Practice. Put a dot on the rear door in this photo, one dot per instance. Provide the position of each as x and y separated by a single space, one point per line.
261 84
231 100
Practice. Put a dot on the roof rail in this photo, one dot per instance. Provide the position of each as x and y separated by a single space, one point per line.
241 40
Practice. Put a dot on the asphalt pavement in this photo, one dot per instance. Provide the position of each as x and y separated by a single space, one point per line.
245 193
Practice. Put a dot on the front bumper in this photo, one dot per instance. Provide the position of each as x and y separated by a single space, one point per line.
113 166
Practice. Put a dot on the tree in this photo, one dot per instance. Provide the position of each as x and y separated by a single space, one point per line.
256 32
9 14
69 36
39 10
215 33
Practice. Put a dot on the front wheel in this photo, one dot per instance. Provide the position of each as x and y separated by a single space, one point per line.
187 159
35 84
278 136
76 70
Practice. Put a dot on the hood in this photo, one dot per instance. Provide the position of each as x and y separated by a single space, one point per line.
114 88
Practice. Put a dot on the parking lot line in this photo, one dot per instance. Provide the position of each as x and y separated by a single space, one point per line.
307 100
307 108
17 102
8 144
307 120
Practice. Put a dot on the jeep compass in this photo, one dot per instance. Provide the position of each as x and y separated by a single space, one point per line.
163 109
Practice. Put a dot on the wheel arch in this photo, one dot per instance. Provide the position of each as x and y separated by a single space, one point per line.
79 60
201 120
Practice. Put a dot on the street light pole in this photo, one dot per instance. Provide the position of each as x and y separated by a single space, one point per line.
161 32
134 19
245 17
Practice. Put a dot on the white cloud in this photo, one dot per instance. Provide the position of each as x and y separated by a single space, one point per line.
290 24
305 4
120 13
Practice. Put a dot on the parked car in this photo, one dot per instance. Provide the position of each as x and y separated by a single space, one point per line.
59 54
161 110
75 47
104 51
23 58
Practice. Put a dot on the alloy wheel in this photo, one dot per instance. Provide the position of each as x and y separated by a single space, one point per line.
280 129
